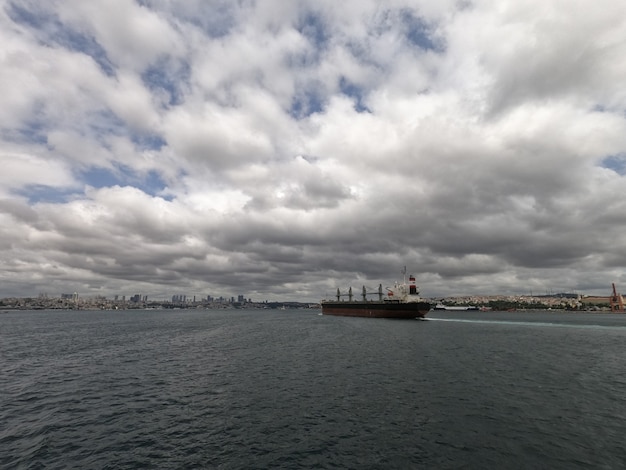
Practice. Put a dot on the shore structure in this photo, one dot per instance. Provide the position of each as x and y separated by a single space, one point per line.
401 301
616 301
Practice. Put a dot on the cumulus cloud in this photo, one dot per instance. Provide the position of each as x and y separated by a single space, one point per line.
281 150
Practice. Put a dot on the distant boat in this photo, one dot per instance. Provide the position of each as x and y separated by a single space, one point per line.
399 302
455 307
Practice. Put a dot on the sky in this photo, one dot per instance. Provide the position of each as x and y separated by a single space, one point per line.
279 150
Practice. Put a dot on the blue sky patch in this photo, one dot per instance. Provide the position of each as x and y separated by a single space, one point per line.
101 177
30 132
40 193
48 29
153 184
312 27
79 42
35 19
105 122
419 33
148 141
307 100
169 77
355 92
415 30
215 18
617 163
121 175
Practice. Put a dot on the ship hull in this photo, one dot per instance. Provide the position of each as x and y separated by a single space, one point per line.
376 309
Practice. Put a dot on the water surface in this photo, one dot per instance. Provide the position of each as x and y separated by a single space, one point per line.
294 389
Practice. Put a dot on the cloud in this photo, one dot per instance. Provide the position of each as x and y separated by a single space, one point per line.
20 171
283 150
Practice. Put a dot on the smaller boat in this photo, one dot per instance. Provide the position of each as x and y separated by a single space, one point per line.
455 307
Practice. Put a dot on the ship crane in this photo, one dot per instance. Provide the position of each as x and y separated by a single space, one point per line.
364 294
617 301
349 295
378 292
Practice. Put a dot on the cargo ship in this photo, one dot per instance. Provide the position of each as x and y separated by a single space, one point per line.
399 302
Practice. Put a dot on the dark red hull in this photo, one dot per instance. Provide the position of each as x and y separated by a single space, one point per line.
376 309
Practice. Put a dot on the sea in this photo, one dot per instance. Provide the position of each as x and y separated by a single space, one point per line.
292 389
